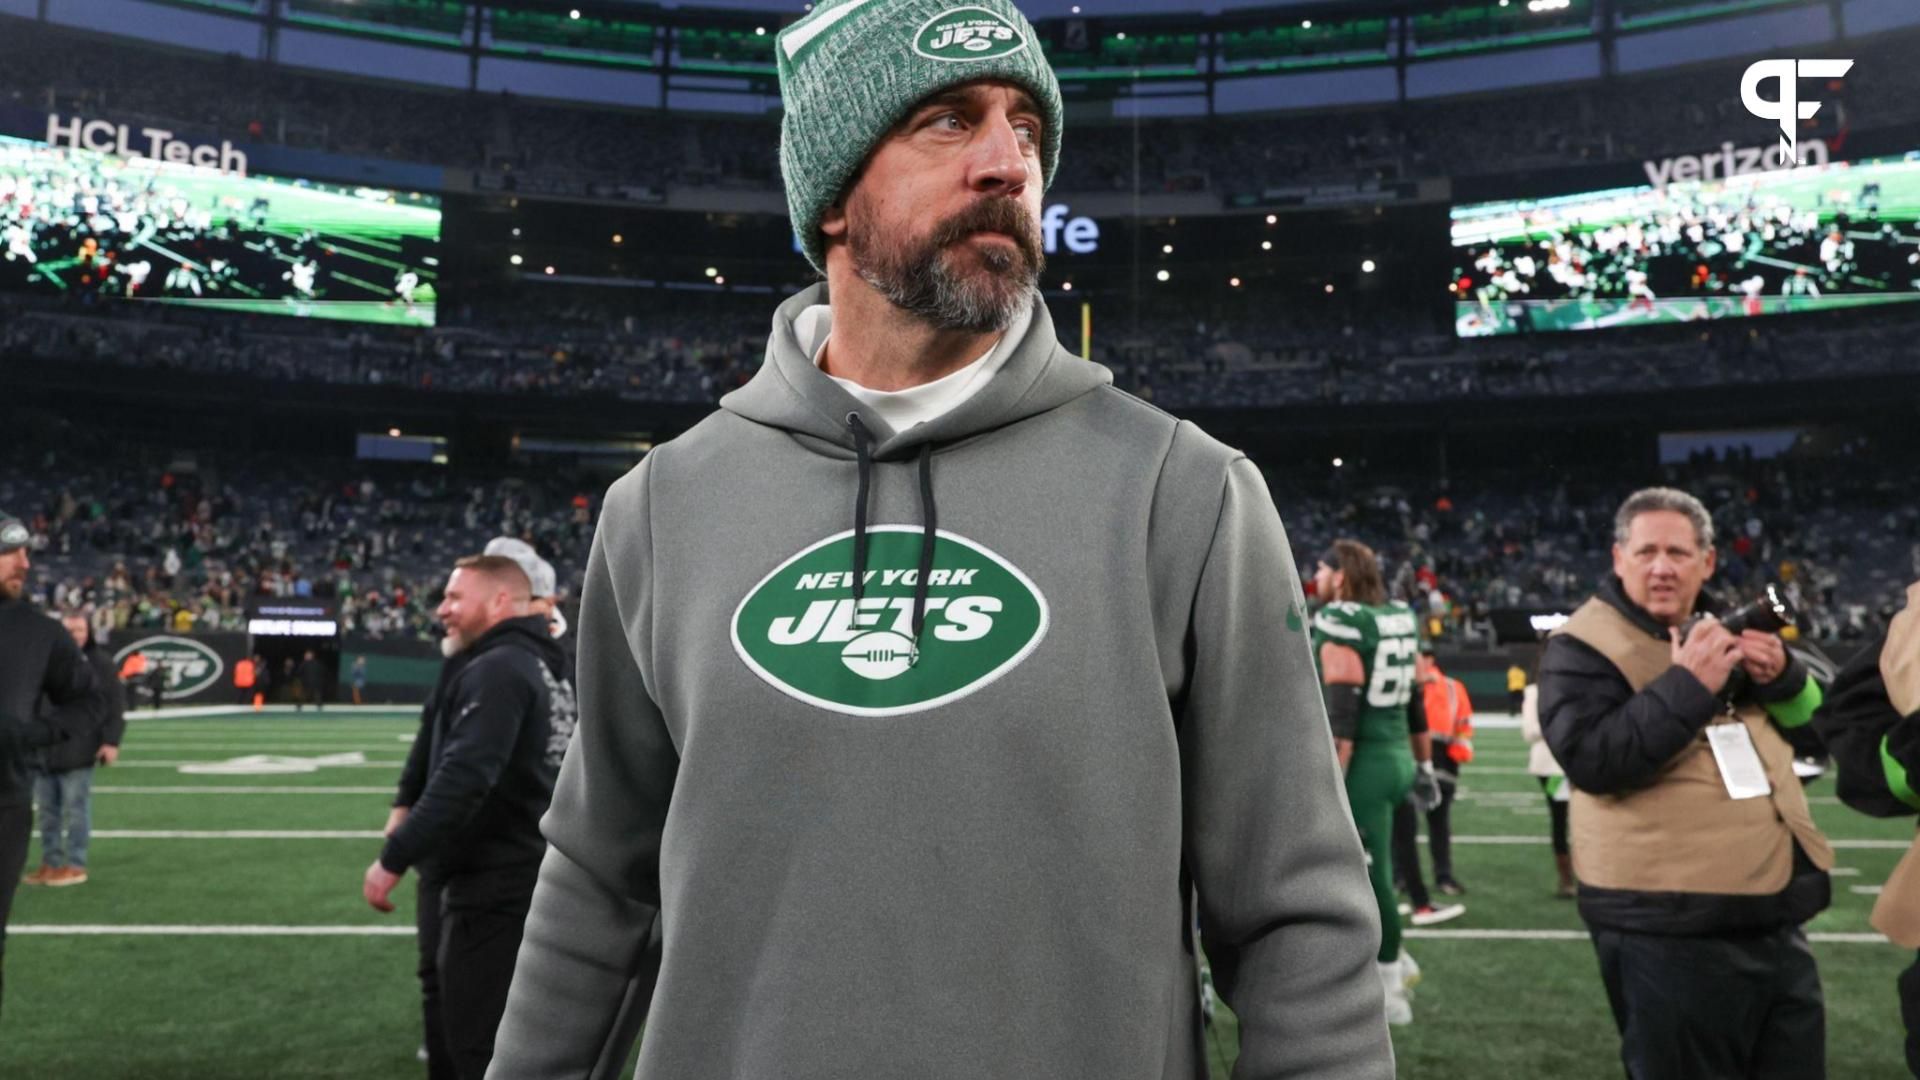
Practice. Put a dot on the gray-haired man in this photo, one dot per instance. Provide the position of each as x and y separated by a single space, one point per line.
1696 856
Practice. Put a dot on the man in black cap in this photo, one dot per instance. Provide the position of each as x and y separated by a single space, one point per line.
36 658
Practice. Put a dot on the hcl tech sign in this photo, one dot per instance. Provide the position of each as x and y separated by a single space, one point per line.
1081 234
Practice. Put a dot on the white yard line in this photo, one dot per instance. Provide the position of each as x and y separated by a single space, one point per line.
237 834
191 789
186 930
396 763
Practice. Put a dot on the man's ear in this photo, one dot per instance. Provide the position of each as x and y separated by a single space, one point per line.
833 222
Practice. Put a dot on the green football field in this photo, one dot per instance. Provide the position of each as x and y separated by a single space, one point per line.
223 934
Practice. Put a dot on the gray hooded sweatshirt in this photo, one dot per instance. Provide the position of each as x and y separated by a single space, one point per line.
920 746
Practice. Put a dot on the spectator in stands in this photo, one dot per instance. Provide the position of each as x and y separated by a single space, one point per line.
1696 866
91 730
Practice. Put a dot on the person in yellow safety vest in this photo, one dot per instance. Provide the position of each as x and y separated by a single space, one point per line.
1450 724
1516 687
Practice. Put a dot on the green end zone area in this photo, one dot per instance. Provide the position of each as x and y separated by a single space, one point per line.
195 953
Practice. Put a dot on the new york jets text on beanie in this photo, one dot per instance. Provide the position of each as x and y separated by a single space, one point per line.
852 69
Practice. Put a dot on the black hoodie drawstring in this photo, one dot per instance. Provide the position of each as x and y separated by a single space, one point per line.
929 524
927 527
863 451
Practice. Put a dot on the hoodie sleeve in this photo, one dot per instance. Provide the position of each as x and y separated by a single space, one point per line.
484 718
582 981
1287 917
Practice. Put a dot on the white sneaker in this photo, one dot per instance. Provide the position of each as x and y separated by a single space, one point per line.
1399 1009
1409 971
1428 916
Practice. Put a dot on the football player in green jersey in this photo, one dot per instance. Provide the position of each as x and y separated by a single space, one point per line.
1367 647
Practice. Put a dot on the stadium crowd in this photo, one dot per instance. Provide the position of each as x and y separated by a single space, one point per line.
665 346
156 540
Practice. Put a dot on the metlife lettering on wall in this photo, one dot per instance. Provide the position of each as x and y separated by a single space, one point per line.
157 144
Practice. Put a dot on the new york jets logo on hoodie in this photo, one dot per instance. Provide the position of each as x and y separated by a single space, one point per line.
802 630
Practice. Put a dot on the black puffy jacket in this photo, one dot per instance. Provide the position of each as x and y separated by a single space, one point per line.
1610 739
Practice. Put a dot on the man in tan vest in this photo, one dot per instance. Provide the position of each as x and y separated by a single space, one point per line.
1871 723
1696 857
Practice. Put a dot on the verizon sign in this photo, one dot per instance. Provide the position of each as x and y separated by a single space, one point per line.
157 144
1730 161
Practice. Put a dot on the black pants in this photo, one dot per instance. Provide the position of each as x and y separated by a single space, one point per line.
1715 1008
469 936
16 828
1406 837
1910 1013
1557 812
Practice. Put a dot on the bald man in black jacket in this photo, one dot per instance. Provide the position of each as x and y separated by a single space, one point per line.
37 658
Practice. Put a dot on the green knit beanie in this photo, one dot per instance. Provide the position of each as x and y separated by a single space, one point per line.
852 69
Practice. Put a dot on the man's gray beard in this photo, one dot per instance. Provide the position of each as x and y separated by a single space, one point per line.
927 287
451 645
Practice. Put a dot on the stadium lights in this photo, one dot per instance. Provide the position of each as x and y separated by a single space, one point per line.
516 230
760 31
1337 462
718 280
1163 275
393 432
713 272
1306 24
1329 286
1122 35
1066 286
1166 249
1076 9
1266 245
1548 5
1234 281
574 14
1273 219
514 259
618 239
550 270
1366 266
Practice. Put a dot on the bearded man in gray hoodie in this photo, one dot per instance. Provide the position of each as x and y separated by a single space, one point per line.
931 688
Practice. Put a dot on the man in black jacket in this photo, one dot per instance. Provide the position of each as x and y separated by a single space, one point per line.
469 805
1696 856
37 659
91 730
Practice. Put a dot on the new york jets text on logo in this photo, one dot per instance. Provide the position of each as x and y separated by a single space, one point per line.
960 34
801 630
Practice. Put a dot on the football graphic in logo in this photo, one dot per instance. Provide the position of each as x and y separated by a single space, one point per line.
881 654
